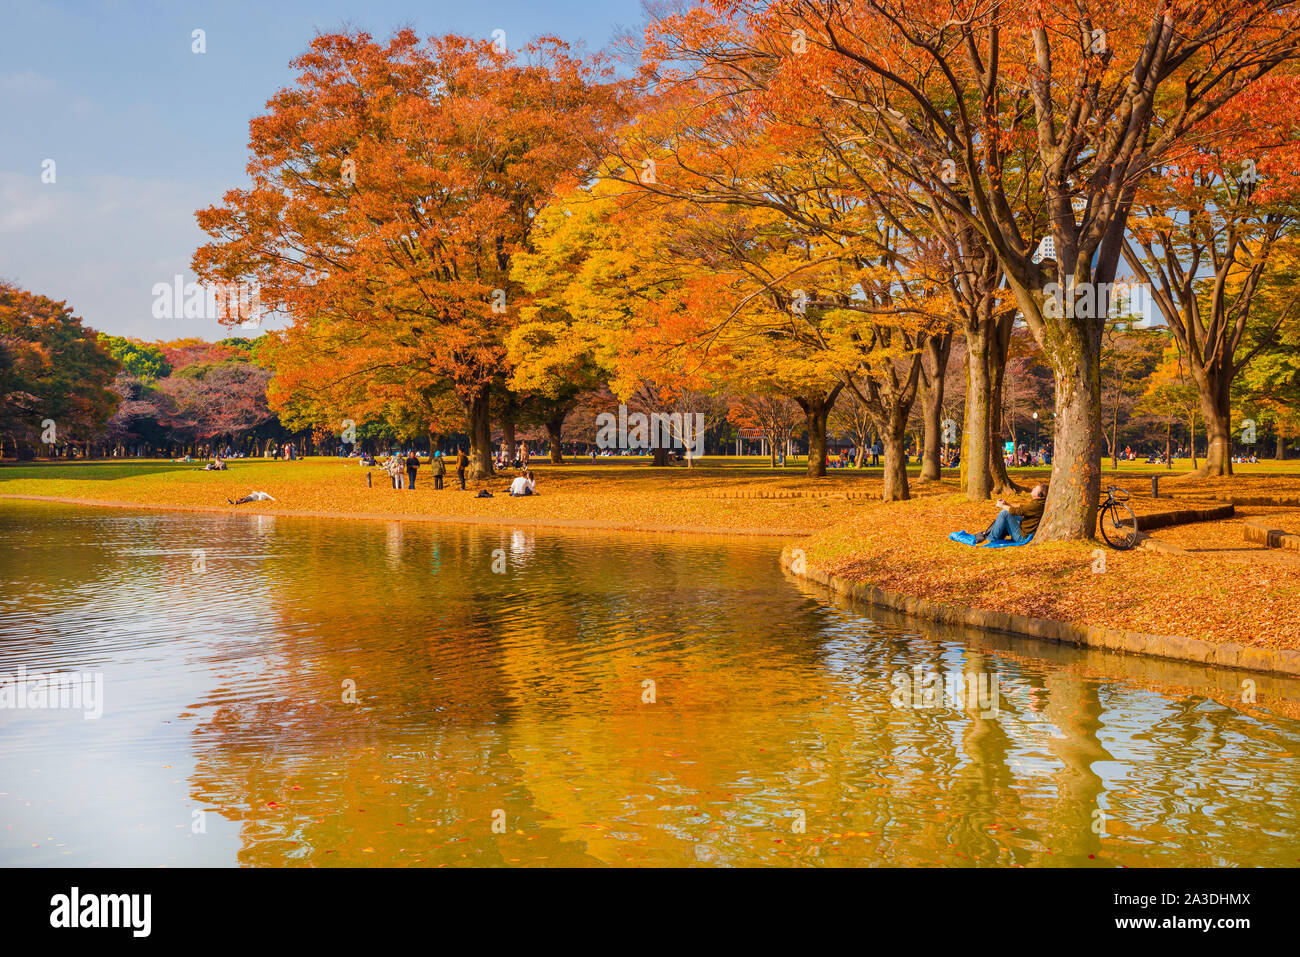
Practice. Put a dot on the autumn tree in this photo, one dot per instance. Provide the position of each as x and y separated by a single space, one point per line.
1169 394
772 414
1128 357
1049 117
1205 230
55 374
392 184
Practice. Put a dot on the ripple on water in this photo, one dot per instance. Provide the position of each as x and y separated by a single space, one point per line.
357 693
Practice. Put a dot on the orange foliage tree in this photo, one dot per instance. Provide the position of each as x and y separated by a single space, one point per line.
390 187
1028 121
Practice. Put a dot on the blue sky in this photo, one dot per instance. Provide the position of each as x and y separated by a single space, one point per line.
143 131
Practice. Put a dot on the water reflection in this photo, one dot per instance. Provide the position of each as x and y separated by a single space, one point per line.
331 693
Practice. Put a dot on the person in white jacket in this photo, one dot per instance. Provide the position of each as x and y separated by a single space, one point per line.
523 485
252 497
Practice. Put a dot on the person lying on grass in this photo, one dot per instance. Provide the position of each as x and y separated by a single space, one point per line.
1016 522
252 497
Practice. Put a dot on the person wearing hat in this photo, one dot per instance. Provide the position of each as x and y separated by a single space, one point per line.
439 469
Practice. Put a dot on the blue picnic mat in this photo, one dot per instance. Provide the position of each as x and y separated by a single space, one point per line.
966 538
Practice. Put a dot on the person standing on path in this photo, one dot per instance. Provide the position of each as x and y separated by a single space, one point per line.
439 469
394 469
461 461
412 466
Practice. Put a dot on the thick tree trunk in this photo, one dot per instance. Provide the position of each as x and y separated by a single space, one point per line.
1075 487
478 421
1216 409
932 435
817 410
1281 442
554 430
976 456
1001 481
895 472
816 444
933 381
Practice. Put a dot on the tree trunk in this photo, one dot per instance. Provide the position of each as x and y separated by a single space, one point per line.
1114 438
1075 486
895 471
1216 409
554 429
977 453
478 422
817 410
933 381
1281 443
997 465
932 432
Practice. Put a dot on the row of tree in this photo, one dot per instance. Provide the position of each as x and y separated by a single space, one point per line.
126 397
787 200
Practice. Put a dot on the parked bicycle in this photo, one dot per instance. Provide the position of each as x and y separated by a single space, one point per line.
1116 520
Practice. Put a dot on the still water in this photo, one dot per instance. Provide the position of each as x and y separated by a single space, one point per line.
281 691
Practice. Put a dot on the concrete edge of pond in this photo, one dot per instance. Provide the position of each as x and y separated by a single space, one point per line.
1282 661
597 525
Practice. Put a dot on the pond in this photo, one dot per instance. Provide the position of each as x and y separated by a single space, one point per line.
293 691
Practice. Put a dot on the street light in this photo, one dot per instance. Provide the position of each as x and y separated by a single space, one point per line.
1035 449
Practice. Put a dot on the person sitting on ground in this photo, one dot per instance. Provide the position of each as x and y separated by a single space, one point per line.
1016 523
523 485
252 497
216 465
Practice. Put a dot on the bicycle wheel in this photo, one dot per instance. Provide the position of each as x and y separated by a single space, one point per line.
1118 526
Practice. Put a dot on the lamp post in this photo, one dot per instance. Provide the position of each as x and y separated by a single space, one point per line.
1035 448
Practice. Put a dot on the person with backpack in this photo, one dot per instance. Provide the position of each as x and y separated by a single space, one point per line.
462 460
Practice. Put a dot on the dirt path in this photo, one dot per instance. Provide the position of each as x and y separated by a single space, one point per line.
1226 540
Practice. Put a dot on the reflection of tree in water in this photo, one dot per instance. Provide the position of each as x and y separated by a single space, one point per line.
523 692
